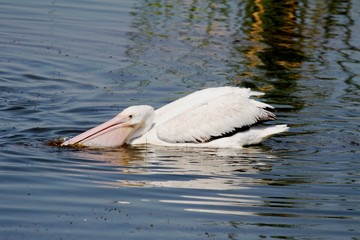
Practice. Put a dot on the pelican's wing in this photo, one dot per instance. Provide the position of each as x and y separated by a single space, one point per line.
220 116
184 104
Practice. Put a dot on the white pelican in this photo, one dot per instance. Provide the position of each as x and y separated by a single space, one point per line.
222 117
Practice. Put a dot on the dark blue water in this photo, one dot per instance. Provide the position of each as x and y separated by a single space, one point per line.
66 66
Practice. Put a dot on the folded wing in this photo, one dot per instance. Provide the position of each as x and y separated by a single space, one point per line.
215 117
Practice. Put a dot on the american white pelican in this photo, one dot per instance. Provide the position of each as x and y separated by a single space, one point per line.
223 117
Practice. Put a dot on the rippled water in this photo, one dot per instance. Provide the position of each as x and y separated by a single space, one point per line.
66 66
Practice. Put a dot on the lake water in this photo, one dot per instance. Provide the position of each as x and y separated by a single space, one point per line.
66 66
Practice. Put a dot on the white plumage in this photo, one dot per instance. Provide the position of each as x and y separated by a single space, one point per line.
223 117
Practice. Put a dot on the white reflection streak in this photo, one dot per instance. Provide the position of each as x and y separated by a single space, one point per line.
239 198
208 183
237 202
238 213
211 203
237 195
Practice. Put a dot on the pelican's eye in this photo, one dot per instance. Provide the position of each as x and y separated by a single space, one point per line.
130 116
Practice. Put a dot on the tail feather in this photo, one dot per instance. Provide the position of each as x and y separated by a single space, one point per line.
260 133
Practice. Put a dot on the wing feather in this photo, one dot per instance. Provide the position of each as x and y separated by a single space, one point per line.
216 117
197 98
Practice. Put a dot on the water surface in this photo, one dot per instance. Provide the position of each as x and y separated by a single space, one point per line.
67 66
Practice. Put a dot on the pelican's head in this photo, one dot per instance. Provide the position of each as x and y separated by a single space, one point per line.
131 123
